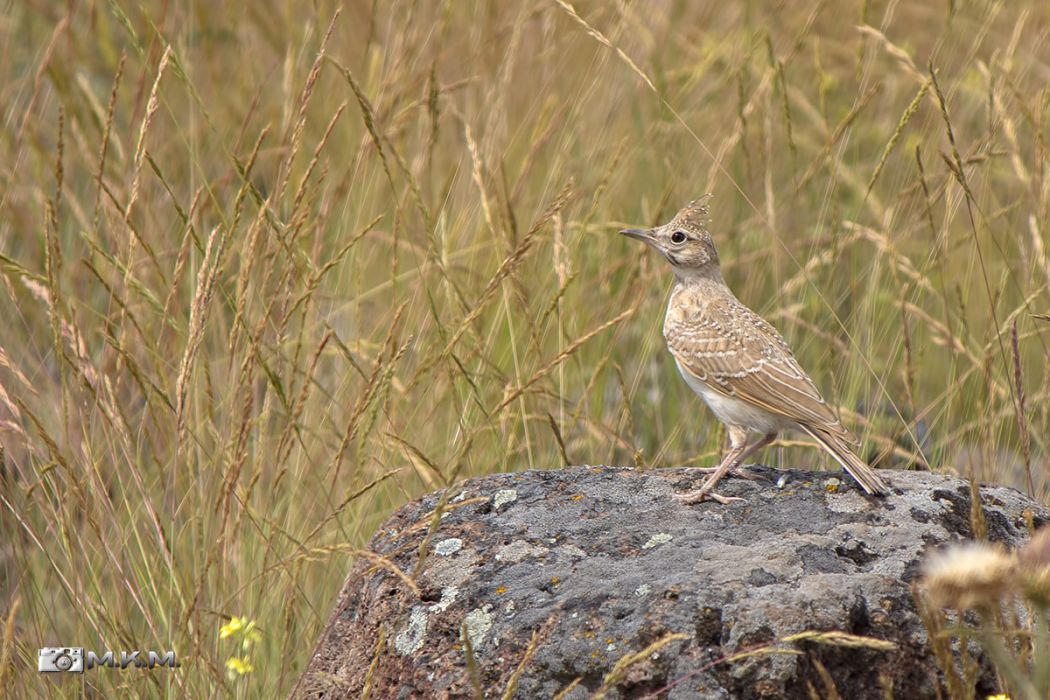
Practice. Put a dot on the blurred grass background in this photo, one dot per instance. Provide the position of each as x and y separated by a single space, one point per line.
269 269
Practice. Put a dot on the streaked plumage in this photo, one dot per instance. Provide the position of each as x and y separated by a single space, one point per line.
737 361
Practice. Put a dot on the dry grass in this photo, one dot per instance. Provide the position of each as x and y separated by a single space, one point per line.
269 270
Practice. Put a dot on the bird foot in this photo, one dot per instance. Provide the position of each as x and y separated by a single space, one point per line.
702 494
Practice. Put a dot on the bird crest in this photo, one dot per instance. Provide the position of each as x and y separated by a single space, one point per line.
696 215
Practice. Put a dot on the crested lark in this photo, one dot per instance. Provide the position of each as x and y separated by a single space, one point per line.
736 361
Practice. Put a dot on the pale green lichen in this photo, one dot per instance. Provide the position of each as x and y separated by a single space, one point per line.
448 597
449 546
477 624
518 550
452 571
657 539
410 640
846 502
571 550
503 497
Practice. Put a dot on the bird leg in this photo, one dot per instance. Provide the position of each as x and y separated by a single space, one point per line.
730 460
739 451
740 471
757 445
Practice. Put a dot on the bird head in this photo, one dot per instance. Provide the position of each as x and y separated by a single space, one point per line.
684 240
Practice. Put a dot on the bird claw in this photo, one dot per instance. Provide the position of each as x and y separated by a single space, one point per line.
701 495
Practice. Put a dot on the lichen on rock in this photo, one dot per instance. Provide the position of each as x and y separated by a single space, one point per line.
603 562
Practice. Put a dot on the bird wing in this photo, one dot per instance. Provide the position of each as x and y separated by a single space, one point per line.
738 353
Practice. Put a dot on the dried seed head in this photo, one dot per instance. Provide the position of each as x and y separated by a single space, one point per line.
1037 551
1035 585
1033 564
969 575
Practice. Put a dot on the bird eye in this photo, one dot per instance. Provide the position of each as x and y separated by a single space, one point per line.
678 237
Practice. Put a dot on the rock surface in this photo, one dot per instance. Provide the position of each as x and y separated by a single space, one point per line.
603 562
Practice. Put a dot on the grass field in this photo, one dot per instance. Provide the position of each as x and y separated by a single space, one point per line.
270 269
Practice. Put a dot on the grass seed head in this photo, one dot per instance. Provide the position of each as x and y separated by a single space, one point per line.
969 575
1033 564
1037 552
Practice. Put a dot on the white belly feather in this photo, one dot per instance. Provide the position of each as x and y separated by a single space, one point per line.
735 412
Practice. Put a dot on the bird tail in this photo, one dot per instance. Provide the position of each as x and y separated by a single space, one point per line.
857 467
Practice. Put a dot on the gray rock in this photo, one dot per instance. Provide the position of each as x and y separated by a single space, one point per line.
605 562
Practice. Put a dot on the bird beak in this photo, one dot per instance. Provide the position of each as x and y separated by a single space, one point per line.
641 234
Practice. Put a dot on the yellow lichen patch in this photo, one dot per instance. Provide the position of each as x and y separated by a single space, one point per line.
578 497
501 590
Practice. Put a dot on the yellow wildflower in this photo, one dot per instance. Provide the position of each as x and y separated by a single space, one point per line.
235 625
251 635
238 666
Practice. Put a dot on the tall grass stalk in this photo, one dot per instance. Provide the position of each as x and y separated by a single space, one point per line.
270 270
